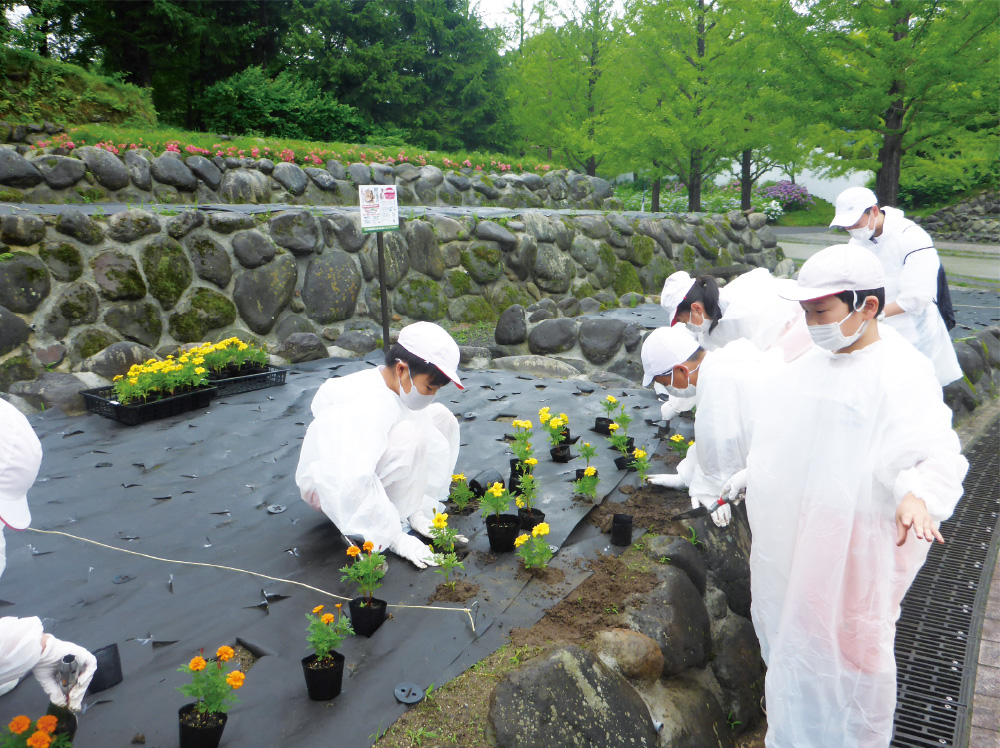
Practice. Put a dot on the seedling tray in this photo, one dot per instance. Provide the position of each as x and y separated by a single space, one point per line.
101 401
271 377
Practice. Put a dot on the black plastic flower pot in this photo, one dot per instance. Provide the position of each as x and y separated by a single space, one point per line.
502 532
67 720
621 529
366 615
580 473
569 438
325 677
109 669
601 425
484 480
560 453
200 730
622 463
530 517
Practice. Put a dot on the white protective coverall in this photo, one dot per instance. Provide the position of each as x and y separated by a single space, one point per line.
911 266
827 467
368 462
731 382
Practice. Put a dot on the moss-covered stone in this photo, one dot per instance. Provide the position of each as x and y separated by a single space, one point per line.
206 310
16 369
138 321
483 260
689 259
63 259
508 295
583 290
10 195
168 270
91 341
640 250
24 282
419 297
471 309
460 283
626 279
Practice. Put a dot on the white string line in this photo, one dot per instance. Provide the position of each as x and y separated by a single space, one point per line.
467 611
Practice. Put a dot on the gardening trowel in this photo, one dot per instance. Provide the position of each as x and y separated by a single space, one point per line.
703 511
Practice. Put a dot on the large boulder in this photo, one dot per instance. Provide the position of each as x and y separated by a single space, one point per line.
262 293
297 231
253 249
224 222
302 346
553 270
167 270
512 327
397 259
137 165
60 172
76 305
211 260
202 310
494 232
425 252
680 554
205 170
359 173
673 615
343 231
291 177
138 321
321 178
420 298
130 225
22 230
738 668
567 697
383 174
331 288
17 171
117 359
172 171
13 331
630 653
76 224
552 336
291 324
184 223
118 277
448 229
483 261
585 251
601 339
536 366
689 713
107 168
726 552
24 282
241 186
53 389
471 309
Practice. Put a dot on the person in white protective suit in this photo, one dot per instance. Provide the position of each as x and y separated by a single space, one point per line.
911 266
728 383
380 452
749 307
846 485
24 646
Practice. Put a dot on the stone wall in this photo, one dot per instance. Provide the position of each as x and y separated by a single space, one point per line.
974 220
72 285
90 174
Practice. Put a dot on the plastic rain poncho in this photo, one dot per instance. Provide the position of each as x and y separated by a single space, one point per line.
844 438
753 310
911 267
731 382
368 462
20 649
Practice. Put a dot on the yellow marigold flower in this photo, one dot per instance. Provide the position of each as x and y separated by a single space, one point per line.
118 378
224 654
531 461
353 551
133 381
369 546
243 346
199 370
540 530
564 418
47 723
496 489
328 618
589 471
543 415
611 399
440 521
691 443
613 427
199 360
235 679
318 609
638 454
520 502
39 740
676 438
196 664
586 444
458 477
19 724
520 540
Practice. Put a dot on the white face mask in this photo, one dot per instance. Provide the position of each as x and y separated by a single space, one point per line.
414 399
864 233
706 323
688 391
831 338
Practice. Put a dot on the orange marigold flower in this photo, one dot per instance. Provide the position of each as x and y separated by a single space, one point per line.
196 664
47 723
328 618
39 740
19 724
338 606
368 547
235 679
353 551
225 654
317 610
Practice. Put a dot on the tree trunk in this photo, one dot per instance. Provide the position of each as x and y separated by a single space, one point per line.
890 155
746 181
655 207
694 182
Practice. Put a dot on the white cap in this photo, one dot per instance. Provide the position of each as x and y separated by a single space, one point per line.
430 342
851 204
842 267
665 348
675 288
20 458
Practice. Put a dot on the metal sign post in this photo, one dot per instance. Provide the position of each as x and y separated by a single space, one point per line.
380 213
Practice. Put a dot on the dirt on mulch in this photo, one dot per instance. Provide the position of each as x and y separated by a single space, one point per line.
650 506
461 592
548 575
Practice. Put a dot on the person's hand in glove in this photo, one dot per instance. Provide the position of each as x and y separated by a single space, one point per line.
422 524
408 547
47 675
667 412
667 480
721 515
736 485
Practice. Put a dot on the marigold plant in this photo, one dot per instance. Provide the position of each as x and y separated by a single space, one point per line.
680 445
522 442
533 549
443 537
21 733
327 631
640 461
212 685
366 571
496 500
610 405
461 495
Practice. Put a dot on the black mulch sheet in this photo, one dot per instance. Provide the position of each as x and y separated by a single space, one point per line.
198 487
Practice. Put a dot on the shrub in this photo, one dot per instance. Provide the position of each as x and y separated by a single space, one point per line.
791 196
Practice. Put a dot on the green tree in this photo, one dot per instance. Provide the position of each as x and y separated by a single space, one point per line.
897 78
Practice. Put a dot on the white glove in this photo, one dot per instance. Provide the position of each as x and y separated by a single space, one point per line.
667 411
735 485
667 480
46 671
424 526
408 547
721 515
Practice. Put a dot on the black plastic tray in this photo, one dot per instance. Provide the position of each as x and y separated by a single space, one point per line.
100 401
272 377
